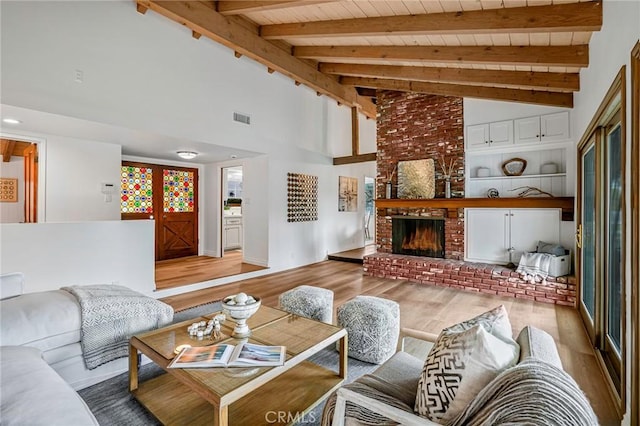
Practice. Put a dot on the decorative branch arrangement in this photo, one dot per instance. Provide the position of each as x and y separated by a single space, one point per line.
390 179
531 191
447 170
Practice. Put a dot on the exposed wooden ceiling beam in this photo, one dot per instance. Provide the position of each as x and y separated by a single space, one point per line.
494 93
559 56
10 147
235 7
585 16
7 149
201 18
562 82
365 91
351 159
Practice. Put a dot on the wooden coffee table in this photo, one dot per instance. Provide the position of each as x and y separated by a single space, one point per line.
239 396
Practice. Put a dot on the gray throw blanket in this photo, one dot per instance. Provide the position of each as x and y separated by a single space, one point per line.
111 314
533 392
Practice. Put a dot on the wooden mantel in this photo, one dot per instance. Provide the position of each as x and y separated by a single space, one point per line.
453 204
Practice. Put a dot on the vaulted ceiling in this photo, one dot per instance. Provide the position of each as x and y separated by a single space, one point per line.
527 51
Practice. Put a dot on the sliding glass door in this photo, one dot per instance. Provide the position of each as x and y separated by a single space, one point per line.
614 247
600 235
587 245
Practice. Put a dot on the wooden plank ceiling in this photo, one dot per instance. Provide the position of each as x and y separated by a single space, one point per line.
527 51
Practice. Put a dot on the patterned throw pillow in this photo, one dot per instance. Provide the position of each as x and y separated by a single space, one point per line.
458 366
495 321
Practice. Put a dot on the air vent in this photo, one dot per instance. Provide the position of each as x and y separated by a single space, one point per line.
241 118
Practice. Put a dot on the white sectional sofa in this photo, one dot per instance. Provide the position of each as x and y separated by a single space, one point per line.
41 362
34 394
50 321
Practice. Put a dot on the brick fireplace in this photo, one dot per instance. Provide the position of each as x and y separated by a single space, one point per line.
414 126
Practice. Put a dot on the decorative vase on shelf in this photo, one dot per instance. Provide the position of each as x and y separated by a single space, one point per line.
447 187
387 191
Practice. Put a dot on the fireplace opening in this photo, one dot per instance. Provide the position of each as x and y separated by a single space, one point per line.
418 236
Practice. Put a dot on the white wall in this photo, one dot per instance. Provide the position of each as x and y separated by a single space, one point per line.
11 212
75 171
53 255
609 50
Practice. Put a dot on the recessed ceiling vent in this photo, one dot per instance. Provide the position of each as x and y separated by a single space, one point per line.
241 118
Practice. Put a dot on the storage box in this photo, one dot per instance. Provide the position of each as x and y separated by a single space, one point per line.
560 265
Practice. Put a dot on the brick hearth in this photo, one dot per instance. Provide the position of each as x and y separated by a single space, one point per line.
468 276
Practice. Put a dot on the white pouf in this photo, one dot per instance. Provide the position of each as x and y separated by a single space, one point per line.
373 325
309 302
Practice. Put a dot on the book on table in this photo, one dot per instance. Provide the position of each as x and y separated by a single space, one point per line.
225 355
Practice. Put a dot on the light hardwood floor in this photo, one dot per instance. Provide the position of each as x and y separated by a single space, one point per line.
431 308
195 269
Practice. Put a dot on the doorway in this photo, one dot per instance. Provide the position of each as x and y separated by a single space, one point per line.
167 194
19 189
369 210
232 219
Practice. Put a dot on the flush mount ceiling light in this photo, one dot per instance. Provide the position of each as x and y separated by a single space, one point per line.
187 155
11 121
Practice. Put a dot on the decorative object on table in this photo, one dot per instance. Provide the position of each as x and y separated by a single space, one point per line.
514 167
240 307
8 190
447 170
483 172
347 194
549 168
416 179
207 329
302 197
493 193
531 191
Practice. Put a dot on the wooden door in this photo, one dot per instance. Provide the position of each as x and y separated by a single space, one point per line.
169 196
31 183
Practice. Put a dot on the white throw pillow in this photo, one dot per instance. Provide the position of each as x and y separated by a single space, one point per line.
458 366
496 322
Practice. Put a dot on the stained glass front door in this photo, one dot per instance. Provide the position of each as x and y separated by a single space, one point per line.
167 195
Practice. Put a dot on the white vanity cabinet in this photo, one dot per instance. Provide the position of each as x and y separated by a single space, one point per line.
232 233
490 232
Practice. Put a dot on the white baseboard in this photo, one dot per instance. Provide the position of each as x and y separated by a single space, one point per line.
259 262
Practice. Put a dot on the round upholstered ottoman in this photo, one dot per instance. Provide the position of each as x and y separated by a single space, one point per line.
309 302
373 325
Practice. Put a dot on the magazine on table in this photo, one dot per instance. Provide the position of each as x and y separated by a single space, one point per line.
225 355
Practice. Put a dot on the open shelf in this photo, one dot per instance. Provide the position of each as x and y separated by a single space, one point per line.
519 177
453 204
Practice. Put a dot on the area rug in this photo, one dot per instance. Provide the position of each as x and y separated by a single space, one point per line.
113 405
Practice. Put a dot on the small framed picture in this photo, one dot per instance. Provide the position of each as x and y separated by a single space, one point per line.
8 190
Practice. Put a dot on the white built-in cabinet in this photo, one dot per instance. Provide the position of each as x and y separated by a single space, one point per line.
499 133
490 234
541 141
232 233
544 128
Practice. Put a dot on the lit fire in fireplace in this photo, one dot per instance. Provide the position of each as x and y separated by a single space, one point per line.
423 239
